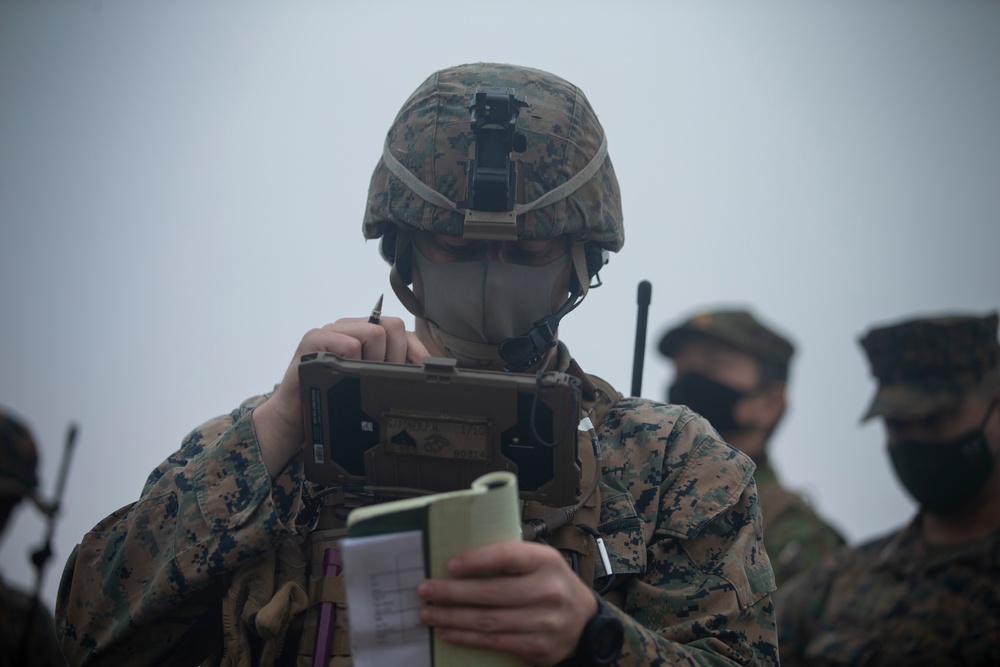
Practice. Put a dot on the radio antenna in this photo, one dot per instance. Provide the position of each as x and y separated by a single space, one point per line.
40 557
645 294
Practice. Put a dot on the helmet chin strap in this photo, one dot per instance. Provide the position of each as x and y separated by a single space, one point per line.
466 351
519 353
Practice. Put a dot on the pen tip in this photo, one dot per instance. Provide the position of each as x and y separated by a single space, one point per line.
378 304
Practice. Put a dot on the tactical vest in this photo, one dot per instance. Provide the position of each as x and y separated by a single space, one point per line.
272 608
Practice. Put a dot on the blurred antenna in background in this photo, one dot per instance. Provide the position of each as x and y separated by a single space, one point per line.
40 557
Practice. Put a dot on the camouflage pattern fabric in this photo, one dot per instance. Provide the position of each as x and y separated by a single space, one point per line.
679 516
42 649
432 137
895 601
795 536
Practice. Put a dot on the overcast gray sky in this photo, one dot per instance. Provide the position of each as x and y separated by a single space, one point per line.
182 186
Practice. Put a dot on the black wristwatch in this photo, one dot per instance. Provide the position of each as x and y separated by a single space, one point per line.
601 640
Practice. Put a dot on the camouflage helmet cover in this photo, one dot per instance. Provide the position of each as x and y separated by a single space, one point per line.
431 138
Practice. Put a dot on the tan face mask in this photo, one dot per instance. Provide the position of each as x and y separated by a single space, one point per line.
486 301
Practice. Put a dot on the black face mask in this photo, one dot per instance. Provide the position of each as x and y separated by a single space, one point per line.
944 477
712 400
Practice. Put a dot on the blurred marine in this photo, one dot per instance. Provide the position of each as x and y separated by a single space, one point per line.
733 370
929 593
27 633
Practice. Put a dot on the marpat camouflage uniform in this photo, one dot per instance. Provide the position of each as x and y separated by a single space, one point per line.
895 601
796 538
679 516
900 600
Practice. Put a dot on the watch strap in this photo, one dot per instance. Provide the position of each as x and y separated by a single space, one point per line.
601 639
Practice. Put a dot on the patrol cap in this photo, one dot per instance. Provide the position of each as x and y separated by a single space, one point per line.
18 458
738 328
929 364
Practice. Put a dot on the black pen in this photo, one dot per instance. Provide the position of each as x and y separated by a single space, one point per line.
376 311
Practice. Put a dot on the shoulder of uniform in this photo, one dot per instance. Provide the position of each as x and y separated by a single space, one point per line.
699 475
851 558
645 414
879 543
198 439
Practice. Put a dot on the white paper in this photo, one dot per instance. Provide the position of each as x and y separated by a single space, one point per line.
382 573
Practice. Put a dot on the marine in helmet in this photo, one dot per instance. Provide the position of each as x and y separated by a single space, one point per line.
927 593
27 632
733 370
495 202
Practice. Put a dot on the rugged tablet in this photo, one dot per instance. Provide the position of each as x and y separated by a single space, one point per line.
437 427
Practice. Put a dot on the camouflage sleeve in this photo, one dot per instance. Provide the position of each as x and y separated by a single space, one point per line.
685 531
145 585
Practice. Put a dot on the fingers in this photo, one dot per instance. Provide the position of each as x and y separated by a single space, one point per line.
517 597
416 351
396 341
539 635
505 578
485 619
534 647
504 558
278 423
357 338
493 595
351 338
388 340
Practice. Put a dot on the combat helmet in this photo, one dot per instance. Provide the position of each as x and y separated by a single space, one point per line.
18 459
560 181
